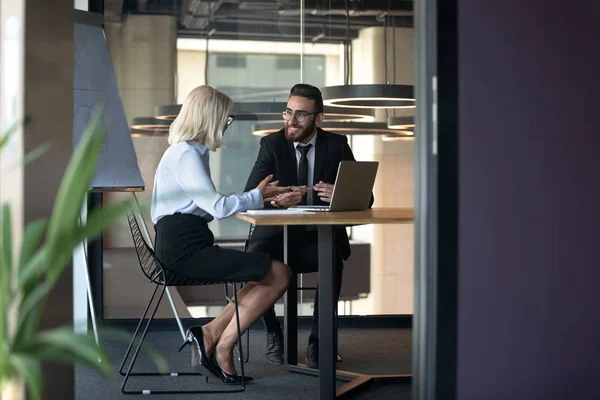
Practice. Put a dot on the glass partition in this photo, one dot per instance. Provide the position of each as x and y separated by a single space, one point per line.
255 52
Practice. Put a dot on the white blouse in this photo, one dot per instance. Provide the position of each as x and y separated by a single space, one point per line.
183 184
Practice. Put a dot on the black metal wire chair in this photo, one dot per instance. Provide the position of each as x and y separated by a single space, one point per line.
163 278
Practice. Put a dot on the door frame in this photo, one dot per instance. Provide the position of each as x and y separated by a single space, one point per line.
435 318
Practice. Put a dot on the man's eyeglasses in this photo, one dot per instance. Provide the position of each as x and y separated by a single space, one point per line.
300 115
229 121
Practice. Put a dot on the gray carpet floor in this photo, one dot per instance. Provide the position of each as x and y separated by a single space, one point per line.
370 351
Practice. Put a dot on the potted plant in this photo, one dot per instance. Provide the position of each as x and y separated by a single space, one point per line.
27 278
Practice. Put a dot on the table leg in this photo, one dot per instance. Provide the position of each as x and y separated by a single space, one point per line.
327 330
327 348
290 319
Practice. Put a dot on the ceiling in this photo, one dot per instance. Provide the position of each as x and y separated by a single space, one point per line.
325 21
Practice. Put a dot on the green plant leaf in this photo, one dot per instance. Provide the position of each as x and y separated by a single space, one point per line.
31 370
31 239
73 189
65 346
4 139
9 132
36 153
30 280
30 309
148 348
25 329
31 156
31 262
32 272
7 371
100 219
5 271
61 226
7 235
35 266
97 222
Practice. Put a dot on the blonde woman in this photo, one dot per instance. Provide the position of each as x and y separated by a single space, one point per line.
184 201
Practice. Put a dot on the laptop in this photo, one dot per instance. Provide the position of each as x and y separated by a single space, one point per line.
352 189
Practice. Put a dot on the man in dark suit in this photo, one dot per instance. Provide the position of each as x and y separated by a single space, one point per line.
304 156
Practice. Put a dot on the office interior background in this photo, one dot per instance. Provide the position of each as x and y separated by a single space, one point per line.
254 52
521 183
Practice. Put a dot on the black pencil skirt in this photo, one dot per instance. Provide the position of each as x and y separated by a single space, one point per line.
185 245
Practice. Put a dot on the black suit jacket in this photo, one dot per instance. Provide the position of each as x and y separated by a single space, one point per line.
277 156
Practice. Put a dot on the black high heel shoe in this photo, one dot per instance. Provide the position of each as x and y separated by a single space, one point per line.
226 378
200 362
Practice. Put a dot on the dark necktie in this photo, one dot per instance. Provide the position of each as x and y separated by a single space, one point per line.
303 168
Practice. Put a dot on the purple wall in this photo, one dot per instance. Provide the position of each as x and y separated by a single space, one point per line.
529 200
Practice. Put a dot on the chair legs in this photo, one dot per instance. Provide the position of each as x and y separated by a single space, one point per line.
128 373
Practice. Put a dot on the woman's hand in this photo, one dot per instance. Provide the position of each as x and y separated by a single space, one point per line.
270 190
288 199
299 189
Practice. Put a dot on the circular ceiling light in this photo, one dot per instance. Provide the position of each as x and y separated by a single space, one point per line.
369 96
401 123
347 114
257 111
342 128
168 112
271 111
150 124
138 133
395 137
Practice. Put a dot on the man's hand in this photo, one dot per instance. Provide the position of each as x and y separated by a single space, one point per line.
299 189
271 190
325 191
288 199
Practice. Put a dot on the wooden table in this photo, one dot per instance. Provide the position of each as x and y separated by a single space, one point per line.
325 222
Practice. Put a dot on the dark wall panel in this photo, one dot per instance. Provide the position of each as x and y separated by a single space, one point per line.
529 200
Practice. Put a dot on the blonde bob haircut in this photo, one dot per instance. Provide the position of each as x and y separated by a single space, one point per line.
203 118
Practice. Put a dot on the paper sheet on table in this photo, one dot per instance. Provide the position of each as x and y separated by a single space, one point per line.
275 212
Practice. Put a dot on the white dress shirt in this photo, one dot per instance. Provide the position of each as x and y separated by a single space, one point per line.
310 157
183 184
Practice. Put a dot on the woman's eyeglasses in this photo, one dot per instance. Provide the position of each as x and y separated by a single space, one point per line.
300 115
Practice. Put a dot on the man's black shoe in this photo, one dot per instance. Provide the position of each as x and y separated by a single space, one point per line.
274 351
312 355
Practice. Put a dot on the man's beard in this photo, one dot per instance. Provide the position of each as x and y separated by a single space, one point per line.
303 135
